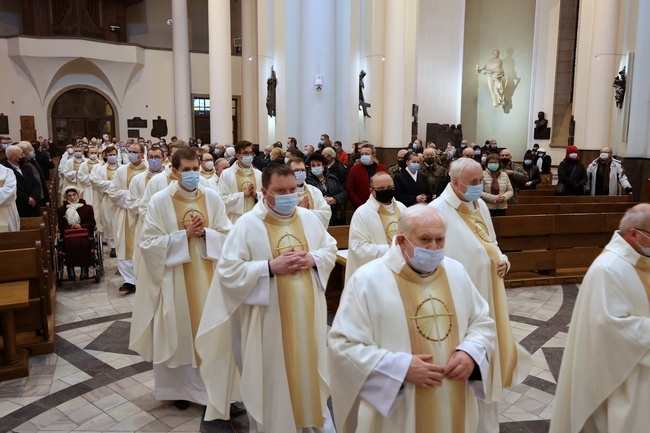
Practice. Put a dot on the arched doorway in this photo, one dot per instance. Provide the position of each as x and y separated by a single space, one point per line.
80 113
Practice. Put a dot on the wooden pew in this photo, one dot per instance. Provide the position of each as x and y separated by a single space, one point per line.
565 208
575 199
337 277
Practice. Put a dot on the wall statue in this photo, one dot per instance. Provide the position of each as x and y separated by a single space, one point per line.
271 85
619 85
363 105
496 78
542 131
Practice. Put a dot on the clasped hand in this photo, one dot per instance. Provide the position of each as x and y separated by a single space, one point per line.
424 374
195 228
291 262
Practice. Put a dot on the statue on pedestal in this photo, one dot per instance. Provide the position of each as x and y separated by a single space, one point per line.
497 80
619 85
271 85
363 105
542 131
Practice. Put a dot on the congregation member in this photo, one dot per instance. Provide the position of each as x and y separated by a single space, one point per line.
75 213
71 168
9 218
516 174
341 154
28 191
181 242
43 159
308 152
432 168
543 161
571 174
604 175
373 224
410 343
30 162
532 171
604 381
124 222
240 185
400 163
101 178
471 240
358 183
273 272
335 167
207 170
332 190
309 197
412 186
497 189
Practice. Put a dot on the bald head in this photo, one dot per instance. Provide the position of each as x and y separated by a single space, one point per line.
14 153
468 152
421 227
25 146
635 228
416 217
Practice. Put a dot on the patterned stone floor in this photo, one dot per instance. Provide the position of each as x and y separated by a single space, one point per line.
93 383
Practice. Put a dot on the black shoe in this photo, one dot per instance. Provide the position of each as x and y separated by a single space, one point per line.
84 274
182 404
71 275
113 253
127 287
237 410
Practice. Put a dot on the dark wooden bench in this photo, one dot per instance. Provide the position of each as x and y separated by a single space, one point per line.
337 277
545 199
565 208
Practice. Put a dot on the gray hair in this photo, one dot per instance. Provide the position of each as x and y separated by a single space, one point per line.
458 166
328 151
636 217
417 211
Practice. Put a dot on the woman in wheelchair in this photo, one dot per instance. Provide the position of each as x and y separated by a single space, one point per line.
76 226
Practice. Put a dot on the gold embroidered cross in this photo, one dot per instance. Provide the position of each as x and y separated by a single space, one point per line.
426 323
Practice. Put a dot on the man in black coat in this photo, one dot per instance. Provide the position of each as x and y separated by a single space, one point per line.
334 166
27 187
411 186
42 159
30 154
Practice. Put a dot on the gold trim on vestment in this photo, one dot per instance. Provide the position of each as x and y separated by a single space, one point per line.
110 172
389 221
433 330
496 298
310 200
129 240
198 272
243 180
297 315
2 183
642 268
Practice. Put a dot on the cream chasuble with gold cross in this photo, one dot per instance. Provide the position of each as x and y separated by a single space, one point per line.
315 202
123 224
232 182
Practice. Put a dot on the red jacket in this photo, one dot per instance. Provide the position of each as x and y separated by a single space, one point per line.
343 157
358 185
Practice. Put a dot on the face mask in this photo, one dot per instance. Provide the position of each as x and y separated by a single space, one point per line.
78 154
21 161
70 151
300 176
385 195
112 159
286 160
401 164
93 157
505 161
429 160
477 152
604 156
285 204
473 192
247 160
493 166
155 164
366 159
209 166
414 166
32 155
483 159
463 146
133 157
321 142
541 155
573 155
5 145
528 161
316 171
304 152
105 137
190 179
424 259
646 250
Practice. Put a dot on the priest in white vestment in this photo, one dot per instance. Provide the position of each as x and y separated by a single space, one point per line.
240 185
411 340
69 152
309 197
70 171
9 218
208 172
273 273
471 240
604 383
90 196
373 224
101 178
124 222
181 241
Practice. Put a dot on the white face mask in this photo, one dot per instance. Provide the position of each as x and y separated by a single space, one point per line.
93 156
604 156
208 166
424 259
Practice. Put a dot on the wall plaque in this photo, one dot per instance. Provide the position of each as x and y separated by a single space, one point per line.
133 133
136 122
4 124
27 129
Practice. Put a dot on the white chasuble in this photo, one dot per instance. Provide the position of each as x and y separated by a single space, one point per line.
9 218
101 178
372 229
315 203
284 377
90 195
604 383
232 182
124 223
386 310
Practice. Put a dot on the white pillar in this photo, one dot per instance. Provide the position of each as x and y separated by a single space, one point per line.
250 83
594 95
220 72
181 60
638 144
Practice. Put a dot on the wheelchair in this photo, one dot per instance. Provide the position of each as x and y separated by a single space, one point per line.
79 248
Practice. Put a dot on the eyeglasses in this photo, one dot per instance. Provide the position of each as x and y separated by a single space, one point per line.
248 153
388 188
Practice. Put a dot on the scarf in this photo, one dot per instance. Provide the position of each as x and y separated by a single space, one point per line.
494 187
71 214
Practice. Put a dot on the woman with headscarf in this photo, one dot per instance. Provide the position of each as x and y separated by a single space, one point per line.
76 214
497 189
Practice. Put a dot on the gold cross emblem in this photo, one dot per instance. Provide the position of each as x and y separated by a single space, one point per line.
482 231
391 231
187 218
287 242
433 317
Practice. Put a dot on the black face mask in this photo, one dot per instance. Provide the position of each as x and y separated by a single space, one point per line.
385 195
505 161
429 160
21 161
401 164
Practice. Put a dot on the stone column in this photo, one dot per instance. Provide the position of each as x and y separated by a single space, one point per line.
181 61
220 72
638 143
250 80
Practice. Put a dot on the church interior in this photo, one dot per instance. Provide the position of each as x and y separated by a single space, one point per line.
383 71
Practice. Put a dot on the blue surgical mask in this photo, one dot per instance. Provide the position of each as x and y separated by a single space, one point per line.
317 171
155 164
528 161
645 250
285 204
247 160
300 176
32 155
133 157
366 159
414 166
112 159
493 166
424 259
473 192
477 152
190 179
5 145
